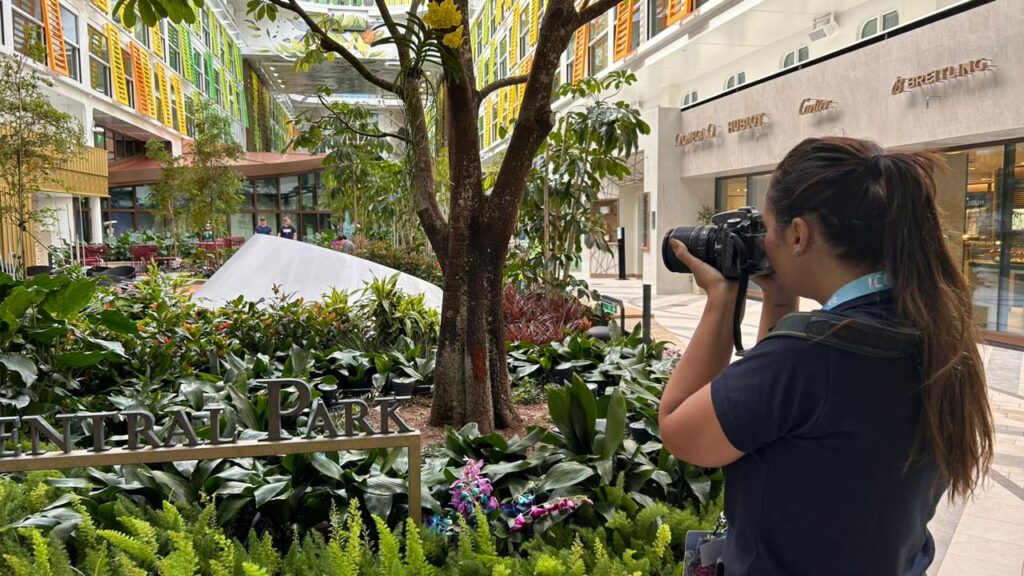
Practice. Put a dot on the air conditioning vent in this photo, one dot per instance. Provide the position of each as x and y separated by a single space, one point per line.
824 26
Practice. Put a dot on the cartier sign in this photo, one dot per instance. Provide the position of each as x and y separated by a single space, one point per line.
814 105
905 84
748 122
706 133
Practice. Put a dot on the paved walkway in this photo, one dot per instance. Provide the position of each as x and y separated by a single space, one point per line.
984 536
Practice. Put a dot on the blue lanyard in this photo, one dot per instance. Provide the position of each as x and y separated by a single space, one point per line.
870 284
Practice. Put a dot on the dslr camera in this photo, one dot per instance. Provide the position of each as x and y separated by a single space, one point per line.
733 244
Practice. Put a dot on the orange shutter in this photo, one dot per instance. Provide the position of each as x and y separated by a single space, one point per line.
623 30
579 56
141 84
58 57
677 10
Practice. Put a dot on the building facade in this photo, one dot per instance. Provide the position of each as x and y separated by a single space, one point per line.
130 85
729 86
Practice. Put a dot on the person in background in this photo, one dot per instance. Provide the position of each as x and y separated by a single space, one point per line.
207 234
287 229
345 245
263 228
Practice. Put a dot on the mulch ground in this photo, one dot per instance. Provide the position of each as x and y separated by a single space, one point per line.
417 414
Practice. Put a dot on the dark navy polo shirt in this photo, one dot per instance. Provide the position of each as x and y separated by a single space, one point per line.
824 487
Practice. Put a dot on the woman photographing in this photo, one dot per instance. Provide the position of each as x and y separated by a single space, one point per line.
835 460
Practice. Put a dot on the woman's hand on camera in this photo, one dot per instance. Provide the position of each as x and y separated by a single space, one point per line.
705 275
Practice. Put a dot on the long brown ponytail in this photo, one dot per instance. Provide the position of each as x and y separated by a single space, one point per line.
880 208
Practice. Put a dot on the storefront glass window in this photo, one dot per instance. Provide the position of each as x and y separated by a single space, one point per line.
290 192
266 194
121 198
241 224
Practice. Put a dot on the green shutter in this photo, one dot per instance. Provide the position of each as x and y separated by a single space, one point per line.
185 46
209 75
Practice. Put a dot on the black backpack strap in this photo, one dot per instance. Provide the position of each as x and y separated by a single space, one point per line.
851 334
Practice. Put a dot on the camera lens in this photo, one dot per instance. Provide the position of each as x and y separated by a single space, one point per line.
699 240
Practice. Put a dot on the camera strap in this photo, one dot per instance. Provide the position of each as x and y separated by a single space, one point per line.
851 334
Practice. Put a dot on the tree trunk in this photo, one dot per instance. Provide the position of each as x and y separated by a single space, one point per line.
471 348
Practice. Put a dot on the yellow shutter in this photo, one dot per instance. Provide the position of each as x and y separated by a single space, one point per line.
117 65
513 44
493 64
165 96
677 10
501 107
623 30
534 21
179 96
142 90
103 5
58 58
487 123
497 13
157 39
524 69
513 104
579 61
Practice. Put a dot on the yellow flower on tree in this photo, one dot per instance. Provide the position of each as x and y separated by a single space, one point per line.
453 39
442 15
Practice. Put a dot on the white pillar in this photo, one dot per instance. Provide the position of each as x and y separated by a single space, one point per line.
95 221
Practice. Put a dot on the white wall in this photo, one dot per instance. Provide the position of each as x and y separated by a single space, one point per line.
768 59
976 109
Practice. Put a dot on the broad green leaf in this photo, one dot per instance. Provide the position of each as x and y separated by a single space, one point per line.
22 365
178 490
83 359
327 467
615 424
565 474
117 322
67 302
265 493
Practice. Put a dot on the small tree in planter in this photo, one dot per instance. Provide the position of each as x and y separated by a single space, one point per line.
589 146
200 186
35 139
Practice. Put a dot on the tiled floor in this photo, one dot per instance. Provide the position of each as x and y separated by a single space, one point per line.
984 536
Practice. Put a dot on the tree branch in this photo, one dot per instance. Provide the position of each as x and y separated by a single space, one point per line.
591 11
389 23
341 119
499 84
333 45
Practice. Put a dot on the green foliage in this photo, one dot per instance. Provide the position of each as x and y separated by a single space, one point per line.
364 177
411 260
37 138
200 187
588 147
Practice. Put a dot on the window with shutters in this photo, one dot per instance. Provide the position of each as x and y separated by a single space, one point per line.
173 51
502 59
141 32
690 98
657 17
198 72
99 62
215 86
570 55
129 77
27 17
72 46
597 50
676 10
204 18
524 32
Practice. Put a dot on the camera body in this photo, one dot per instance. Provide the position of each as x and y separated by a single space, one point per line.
733 244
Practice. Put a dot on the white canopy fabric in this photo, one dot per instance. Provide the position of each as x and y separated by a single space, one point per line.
301 270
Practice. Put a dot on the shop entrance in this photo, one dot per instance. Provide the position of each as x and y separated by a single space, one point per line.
993 255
